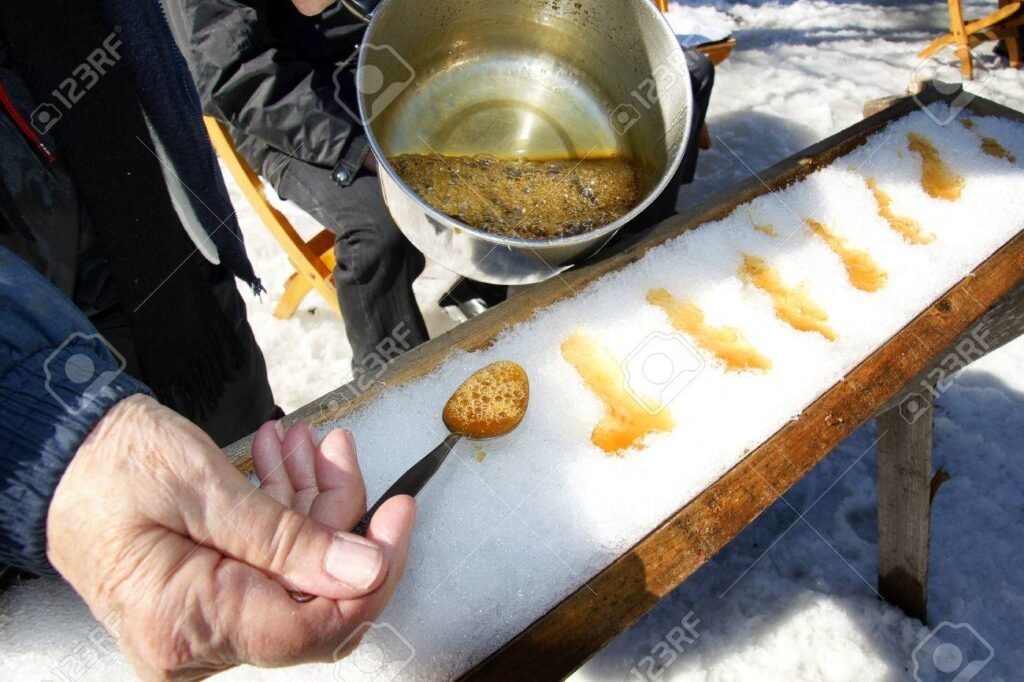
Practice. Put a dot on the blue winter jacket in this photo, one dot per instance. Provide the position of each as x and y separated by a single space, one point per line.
58 377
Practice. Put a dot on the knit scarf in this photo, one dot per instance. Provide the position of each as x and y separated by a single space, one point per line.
184 343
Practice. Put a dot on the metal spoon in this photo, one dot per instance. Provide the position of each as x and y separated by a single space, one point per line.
489 404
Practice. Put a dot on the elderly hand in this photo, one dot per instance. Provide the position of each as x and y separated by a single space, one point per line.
152 523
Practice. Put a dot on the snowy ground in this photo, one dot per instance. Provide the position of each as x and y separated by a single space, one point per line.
792 598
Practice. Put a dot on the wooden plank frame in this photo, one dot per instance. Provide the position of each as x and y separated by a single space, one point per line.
585 621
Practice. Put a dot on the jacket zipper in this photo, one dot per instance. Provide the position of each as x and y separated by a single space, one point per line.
23 125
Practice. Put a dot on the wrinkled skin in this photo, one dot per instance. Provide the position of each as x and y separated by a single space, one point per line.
151 523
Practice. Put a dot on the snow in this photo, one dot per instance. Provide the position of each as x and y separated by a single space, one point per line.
698 25
549 481
792 597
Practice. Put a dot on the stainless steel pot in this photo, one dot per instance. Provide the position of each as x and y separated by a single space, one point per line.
520 79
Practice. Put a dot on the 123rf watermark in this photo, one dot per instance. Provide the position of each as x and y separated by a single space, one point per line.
72 377
380 82
953 652
659 369
98 644
674 644
382 654
83 78
941 377
664 77
945 76
369 371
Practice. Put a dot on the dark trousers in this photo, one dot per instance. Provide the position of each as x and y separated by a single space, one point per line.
376 263
247 401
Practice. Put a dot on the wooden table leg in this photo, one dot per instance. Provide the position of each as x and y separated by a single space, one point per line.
1013 43
904 457
904 505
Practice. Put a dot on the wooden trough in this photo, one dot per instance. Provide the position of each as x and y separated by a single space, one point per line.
988 303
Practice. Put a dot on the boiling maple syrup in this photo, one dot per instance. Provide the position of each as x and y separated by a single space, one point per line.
725 343
625 423
522 198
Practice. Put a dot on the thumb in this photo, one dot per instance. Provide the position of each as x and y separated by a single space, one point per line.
304 555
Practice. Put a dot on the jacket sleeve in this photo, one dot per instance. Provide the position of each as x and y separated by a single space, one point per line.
249 79
58 377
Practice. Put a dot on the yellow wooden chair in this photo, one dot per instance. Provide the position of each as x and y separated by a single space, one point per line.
313 260
966 35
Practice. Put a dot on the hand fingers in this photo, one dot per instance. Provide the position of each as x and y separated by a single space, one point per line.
299 454
342 499
266 455
246 524
254 607
223 612
391 528
267 627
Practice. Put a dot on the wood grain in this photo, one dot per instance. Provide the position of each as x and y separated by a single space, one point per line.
904 503
1003 323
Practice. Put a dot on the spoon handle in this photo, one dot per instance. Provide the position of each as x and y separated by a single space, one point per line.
413 480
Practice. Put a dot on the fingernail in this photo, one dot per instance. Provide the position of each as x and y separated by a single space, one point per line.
314 435
354 561
280 429
351 439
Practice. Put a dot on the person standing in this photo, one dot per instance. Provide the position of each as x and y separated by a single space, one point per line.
268 72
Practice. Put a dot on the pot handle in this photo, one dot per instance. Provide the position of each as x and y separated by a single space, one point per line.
361 9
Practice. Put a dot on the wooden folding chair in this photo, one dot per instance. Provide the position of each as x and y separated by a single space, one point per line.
313 260
966 35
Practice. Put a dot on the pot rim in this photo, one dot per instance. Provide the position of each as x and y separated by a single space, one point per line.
499 240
